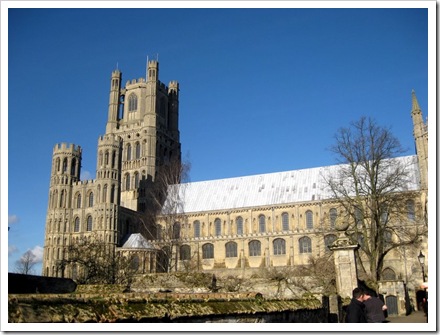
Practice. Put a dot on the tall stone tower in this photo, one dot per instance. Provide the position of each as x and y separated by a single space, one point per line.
420 132
141 134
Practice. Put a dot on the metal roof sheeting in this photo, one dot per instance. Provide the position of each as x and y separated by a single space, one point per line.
137 241
265 189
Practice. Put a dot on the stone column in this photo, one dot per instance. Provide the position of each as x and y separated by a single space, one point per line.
345 263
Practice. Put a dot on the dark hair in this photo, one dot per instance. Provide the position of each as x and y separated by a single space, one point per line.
357 292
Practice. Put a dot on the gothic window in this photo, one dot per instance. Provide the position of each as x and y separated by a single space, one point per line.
384 215
305 245
231 249
91 199
309 220
134 263
104 193
89 223
196 228
328 240
333 215
387 238
176 230
262 223
62 198
255 248
100 158
388 274
239 223
72 168
279 246
410 207
138 150
185 252
127 181
218 227
112 194
132 102
358 216
136 180
285 221
113 158
76 225
208 251
57 165
128 148
64 165
106 158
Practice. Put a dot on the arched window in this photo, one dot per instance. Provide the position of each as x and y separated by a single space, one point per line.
328 240
218 227
262 223
74 272
387 238
113 158
388 274
255 248
309 220
132 102
57 164
358 216
72 167
176 230
333 215
64 165
185 252
91 199
112 194
89 223
128 149
239 223
279 246
62 198
231 249
78 201
305 245
207 251
138 150
106 158
104 193
196 228
134 262
410 208
127 181
76 225
285 221
136 180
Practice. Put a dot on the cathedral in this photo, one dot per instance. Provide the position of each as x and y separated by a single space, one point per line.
229 225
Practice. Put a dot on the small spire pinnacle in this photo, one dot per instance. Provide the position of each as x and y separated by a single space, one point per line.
415 103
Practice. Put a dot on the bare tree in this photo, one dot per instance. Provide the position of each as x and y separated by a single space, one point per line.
96 262
371 190
165 210
26 263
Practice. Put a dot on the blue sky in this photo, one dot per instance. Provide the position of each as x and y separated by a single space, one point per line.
261 90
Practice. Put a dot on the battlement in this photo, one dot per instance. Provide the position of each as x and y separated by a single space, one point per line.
84 182
69 147
152 63
135 81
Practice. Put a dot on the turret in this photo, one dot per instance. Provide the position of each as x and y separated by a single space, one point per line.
152 71
113 105
420 133
173 107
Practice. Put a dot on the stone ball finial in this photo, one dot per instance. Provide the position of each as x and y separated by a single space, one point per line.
341 224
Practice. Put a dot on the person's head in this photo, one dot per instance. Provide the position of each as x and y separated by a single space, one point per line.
358 294
367 295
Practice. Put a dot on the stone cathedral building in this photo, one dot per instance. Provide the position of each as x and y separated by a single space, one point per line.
235 224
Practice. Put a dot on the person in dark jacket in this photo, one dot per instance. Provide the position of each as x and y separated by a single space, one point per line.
374 308
355 310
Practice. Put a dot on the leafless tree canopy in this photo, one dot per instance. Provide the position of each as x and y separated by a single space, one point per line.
95 262
165 200
370 190
25 265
